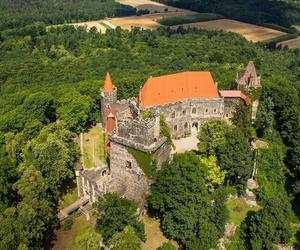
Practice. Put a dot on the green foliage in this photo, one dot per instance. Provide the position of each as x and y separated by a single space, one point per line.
180 198
114 214
145 160
55 12
235 156
127 239
165 130
257 11
268 226
212 135
215 176
26 224
54 153
177 20
147 114
75 110
67 224
242 119
167 246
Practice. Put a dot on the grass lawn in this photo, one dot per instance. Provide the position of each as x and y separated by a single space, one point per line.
238 210
93 147
155 237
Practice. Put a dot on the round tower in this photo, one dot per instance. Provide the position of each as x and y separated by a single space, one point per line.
108 97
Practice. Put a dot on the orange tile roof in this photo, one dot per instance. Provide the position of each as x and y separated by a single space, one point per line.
180 86
235 94
108 85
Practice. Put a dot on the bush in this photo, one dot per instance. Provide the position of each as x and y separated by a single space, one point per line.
167 246
280 28
169 21
67 225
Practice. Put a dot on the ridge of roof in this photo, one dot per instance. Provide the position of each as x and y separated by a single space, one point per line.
178 86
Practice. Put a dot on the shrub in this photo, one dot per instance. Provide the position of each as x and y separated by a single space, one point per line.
67 225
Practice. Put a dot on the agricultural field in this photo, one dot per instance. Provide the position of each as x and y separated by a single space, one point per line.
251 32
292 44
149 5
146 21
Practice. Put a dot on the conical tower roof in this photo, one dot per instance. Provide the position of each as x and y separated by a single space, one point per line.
108 85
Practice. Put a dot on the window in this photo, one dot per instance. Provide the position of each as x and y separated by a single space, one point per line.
206 110
194 110
173 114
186 125
226 115
128 164
215 110
183 112
175 128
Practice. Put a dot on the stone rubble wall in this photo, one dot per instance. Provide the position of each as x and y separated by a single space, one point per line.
134 180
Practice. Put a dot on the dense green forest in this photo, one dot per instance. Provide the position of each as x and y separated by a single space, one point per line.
255 11
17 13
49 85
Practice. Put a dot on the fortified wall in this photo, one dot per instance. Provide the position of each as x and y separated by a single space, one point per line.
186 99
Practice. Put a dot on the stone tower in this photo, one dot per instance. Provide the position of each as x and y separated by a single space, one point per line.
108 97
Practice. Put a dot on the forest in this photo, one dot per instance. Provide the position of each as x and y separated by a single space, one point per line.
18 13
285 13
49 85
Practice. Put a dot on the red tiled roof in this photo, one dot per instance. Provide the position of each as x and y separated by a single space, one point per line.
175 87
235 94
108 85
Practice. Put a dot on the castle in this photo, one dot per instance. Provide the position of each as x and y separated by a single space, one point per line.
186 100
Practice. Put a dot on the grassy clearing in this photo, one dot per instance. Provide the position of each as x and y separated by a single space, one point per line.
93 147
238 210
68 198
177 20
155 237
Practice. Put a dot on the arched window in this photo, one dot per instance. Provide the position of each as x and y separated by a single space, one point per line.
183 112
194 110
206 110
173 114
215 110
175 128
186 125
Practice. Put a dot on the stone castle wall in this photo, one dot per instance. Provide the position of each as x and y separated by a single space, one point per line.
107 98
126 171
139 131
185 115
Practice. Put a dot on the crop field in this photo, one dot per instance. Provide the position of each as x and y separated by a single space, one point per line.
149 5
146 21
293 43
251 32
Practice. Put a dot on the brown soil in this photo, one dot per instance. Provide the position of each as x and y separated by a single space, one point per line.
251 32
293 43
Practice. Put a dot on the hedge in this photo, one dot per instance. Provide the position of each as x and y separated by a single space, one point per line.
280 28
274 41
177 20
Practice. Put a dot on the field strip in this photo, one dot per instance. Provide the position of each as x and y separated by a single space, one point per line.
251 32
293 43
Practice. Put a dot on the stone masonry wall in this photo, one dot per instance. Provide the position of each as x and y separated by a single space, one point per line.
182 116
107 98
126 171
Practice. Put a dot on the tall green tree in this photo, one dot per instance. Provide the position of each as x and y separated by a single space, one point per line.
235 156
181 199
127 239
114 214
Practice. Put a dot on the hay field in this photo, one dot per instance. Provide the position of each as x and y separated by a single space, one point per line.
146 21
251 32
147 4
293 43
